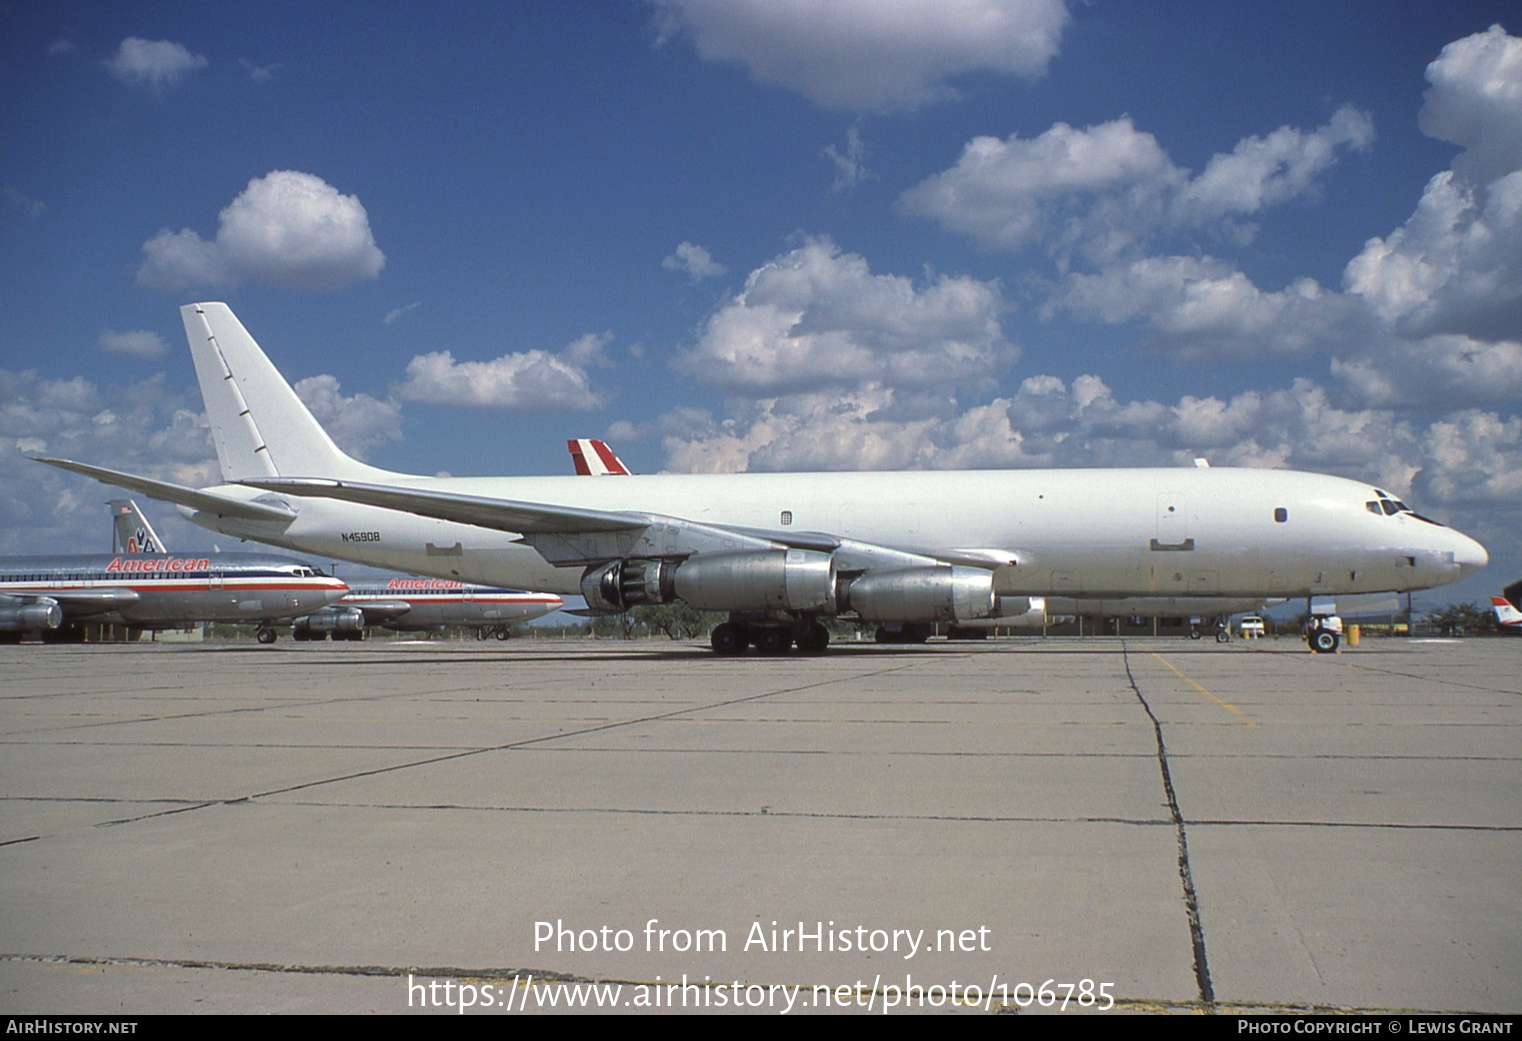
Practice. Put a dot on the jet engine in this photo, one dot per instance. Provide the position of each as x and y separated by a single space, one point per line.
42 615
764 580
923 594
332 620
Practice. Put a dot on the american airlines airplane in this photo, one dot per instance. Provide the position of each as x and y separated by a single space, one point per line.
130 530
50 595
778 551
406 604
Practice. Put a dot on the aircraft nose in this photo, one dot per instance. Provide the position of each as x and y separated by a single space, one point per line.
1469 555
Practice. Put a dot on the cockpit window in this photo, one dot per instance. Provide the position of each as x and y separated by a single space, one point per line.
1389 507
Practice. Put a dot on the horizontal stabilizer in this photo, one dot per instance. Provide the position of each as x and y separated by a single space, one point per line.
211 502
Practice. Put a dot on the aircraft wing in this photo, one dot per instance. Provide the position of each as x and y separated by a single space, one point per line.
483 512
572 535
211 502
76 603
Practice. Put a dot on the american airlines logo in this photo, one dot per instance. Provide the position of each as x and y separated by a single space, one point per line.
162 564
424 583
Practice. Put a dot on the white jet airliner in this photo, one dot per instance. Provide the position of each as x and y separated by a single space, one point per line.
778 551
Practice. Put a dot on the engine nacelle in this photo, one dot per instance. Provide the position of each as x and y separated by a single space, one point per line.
923 594
332 620
764 580
615 587
769 580
33 616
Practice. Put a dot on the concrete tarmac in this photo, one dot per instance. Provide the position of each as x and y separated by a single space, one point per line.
1187 826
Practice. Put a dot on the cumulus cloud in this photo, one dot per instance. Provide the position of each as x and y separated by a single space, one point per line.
1456 264
870 55
1200 307
152 63
817 317
1475 101
1428 315
358 424
695 260
138 427
286 229
1106 190
527 381
140 343
1436 371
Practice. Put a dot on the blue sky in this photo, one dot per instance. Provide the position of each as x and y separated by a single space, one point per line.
747 235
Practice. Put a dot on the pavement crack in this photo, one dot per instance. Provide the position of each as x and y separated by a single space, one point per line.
1186 874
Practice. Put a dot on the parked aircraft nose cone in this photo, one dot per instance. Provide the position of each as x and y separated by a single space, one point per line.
1470 556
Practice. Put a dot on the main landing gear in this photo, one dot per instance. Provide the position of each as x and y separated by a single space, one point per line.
265 634
732 638
1323 640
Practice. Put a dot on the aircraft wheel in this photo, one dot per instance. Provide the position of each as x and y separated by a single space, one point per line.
1194 634
773 641
268 636
1222 636
729 639
815 639
504 633
1324 641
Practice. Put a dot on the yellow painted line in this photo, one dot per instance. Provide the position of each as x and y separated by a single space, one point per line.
1228 706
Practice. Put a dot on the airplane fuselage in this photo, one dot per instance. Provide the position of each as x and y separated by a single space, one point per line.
1204 532
163 590
433 603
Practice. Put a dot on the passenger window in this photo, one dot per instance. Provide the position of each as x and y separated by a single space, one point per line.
1281 515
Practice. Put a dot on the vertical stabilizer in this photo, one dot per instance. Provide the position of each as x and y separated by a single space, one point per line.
593 458
131 532
1507 615
258 424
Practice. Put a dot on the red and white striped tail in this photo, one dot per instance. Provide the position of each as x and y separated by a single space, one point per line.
593 458
1506 614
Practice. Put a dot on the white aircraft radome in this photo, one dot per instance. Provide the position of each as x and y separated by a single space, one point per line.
778 551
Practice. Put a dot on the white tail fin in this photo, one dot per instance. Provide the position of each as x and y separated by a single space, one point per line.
1506 614
594 458
258 424
131 532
